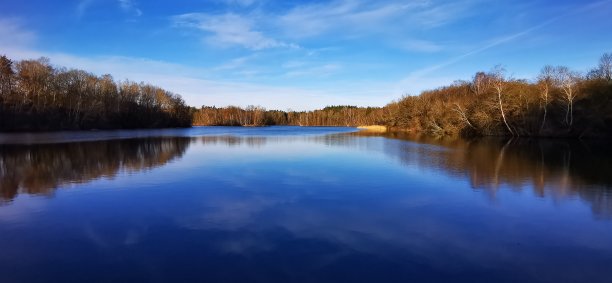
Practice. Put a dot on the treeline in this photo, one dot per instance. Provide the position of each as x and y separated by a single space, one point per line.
34 95
258 116
559 102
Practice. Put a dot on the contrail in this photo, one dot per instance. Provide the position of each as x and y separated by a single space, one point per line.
503 40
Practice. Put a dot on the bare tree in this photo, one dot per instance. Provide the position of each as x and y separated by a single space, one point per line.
567 81
545 82
260 116
498 82
605 66
480 83
6 78
462 115
34 77
33 90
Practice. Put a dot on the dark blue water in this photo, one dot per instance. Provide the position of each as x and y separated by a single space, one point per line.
290 204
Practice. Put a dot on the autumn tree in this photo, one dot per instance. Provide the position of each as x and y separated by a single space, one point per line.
567 81
545 83
480 83
6 78
604 70
498 83
37 96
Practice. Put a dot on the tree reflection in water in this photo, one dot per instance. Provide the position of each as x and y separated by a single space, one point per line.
42 168
553 168
250 206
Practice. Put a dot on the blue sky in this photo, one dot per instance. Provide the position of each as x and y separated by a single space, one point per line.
305 54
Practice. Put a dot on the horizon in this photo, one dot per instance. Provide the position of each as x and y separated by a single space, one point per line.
305 55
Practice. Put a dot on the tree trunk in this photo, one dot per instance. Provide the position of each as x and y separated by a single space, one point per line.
545 110
501 108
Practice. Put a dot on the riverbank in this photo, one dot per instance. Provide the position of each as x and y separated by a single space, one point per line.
373 128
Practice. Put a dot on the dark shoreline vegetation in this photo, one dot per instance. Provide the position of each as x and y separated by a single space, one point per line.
35 96
558 103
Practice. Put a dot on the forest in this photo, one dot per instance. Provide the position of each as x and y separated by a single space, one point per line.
559 102
36 96
345 116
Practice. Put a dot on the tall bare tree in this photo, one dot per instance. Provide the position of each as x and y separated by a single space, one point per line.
567 80
498 82
6 78
545 82
605 66
480 83
34 79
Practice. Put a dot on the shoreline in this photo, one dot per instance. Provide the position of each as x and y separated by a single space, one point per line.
373 128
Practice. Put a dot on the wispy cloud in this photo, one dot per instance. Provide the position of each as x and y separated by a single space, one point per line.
82 7
198 86
125 4
14 35
230 30
129 6
393 21
438 14
419 45
324 70
323 50
315 19
236 63
368 17
417 78
243 3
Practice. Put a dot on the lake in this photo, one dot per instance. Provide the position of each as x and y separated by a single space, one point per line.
291 204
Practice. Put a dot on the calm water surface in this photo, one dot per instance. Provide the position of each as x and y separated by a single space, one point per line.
290 204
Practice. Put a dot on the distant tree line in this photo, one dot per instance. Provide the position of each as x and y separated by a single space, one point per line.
258 116
34 95
559 102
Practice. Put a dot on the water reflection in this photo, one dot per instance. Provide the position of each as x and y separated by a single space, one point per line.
555 168
327 208
42 168
237 140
